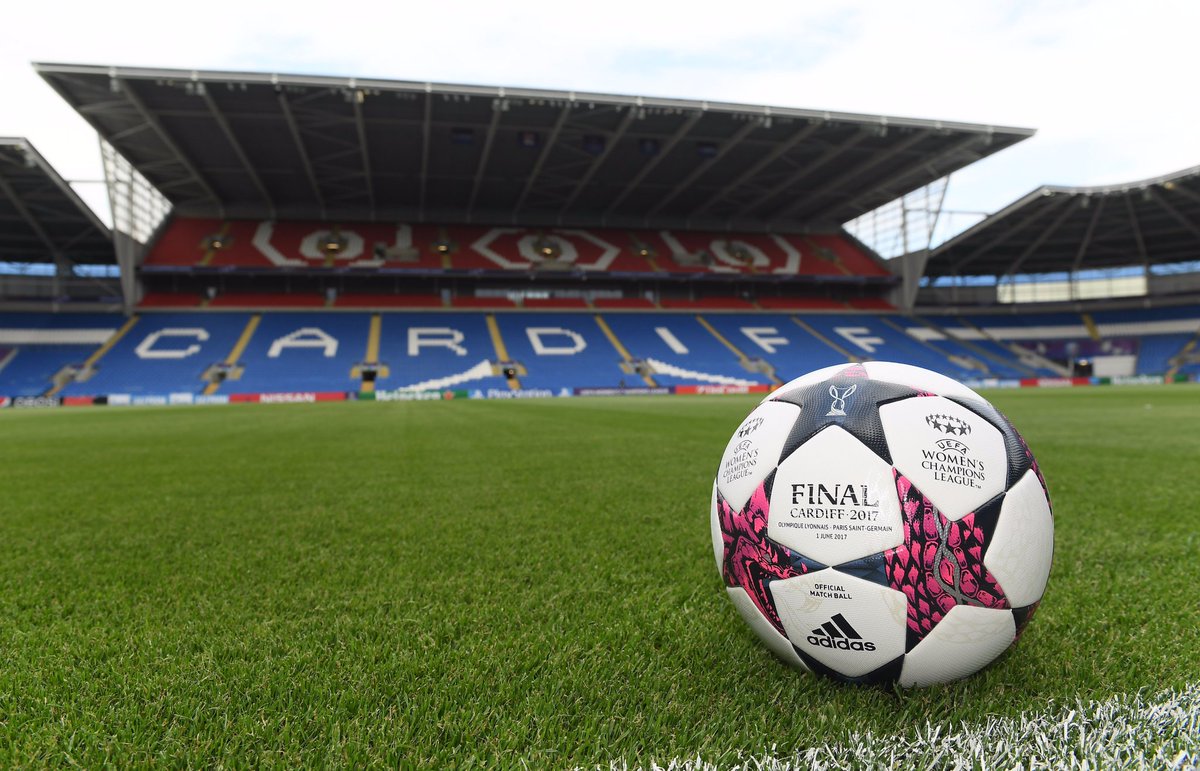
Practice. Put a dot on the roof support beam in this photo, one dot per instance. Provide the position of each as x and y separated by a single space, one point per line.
1000 236
497 110
651 164
426 125
929 165
301 150
749 127
631 114
239 151
1176 215
364 149
1042 237
805 170
1087 234
27 215
842 180
757 166
165 137
545 152
1188 194
1137 232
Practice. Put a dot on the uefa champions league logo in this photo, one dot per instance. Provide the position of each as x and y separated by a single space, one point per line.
838 408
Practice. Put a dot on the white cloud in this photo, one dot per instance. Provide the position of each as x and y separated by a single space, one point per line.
1108 83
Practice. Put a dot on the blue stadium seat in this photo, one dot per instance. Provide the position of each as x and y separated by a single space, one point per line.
562 350
164 353
1003 320
422 348
1155 352
679 340
303 352
31 369
1133 315
871 338
1008 369
777 339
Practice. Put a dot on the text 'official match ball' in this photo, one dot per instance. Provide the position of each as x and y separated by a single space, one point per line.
882 523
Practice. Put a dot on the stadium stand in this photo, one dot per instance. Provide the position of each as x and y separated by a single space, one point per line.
677 349
654 269
256 300
1155 352
375 300
708 303
432 351
163 353
189 242
870 338
30 369
554 302
303 352
788 348
801 304
209 351
561 350
627 303
171 300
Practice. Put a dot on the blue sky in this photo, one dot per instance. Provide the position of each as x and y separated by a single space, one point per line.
1109 84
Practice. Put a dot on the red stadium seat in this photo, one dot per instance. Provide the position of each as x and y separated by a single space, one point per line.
482 302
253 300
402 246
169 300
710 303
802 303
388 301
871 304
555 302
622 302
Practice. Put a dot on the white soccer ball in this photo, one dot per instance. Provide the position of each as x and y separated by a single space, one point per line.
882 523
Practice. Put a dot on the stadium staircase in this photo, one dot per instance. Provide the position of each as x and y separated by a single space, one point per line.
992 358
662 345
229 369
508 368
371 369
70 375
30 370
969 366
830 343
560 350
1185 357
748 363
629 366
310 352
1028 358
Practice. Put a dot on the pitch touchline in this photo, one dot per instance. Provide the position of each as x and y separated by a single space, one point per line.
1123 731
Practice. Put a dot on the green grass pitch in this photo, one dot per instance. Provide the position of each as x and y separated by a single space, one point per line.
461 583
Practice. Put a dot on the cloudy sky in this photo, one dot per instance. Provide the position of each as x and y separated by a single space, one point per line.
1109 84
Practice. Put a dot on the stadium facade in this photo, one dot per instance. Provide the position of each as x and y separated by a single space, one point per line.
322 237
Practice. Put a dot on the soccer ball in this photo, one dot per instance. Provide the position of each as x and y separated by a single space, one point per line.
882 523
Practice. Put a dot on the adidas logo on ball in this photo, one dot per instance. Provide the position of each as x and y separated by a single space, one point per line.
837 633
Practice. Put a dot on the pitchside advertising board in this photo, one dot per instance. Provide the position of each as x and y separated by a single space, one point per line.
312 397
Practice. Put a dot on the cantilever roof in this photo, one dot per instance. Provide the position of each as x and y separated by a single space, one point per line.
41 216
263 145
1056 229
